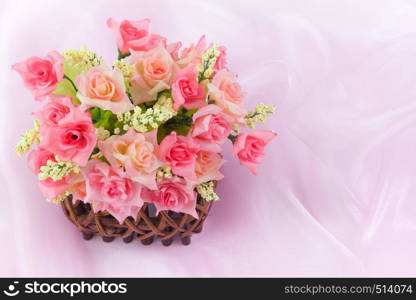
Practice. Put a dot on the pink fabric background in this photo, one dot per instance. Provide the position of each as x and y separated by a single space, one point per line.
337 194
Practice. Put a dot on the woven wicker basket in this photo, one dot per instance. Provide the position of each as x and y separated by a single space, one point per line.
147 227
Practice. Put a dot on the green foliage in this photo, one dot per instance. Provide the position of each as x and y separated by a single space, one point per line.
148 104
181 123
73 70
104 118
167 93
232 138
75 62
121 55
65 88
188 113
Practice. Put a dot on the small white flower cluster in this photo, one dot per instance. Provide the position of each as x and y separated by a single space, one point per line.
143 121
163 172
209 58
206 190
102 133
57 170
82 59
126 68
259 114
26 141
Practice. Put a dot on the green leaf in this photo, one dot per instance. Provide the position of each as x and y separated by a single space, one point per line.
232 138
65 88
103 159
95 151
148 104
104 118
72 70
181 124
167 93
190 112
121 55
95 114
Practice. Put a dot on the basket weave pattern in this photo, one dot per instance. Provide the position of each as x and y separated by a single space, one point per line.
146 227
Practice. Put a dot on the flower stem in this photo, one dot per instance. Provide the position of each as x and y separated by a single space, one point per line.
72 83
201 75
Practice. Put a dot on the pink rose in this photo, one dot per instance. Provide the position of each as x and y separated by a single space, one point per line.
186 90
210 127
41 75
179 152
49 187
38 158
78 187
230 90
221 62
134 35
136 153
55 109
174 194
207 166
109 189
72 139
227 94
192 54
103 88
153 73
249 147
173 49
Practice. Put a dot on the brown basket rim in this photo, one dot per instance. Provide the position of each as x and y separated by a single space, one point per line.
146 226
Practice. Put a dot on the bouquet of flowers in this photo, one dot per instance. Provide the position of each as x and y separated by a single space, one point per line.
135 148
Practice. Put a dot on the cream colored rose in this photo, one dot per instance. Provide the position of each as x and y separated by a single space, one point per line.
135 154
153 73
